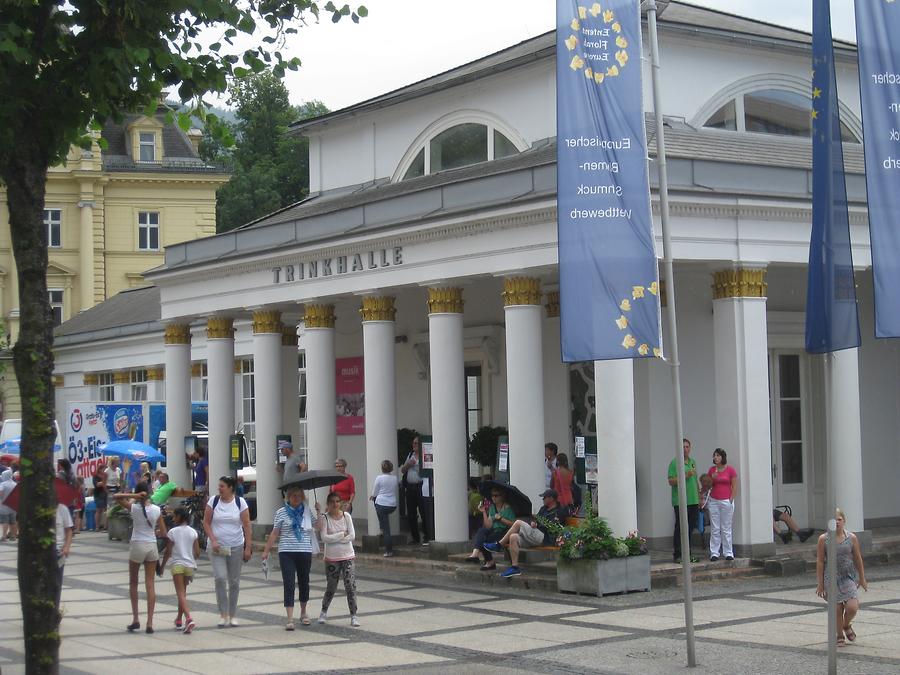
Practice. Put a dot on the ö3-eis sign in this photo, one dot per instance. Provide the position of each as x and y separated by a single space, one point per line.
92 425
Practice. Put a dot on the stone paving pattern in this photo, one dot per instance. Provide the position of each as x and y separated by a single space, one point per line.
439 625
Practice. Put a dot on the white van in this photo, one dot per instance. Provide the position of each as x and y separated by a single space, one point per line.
12 430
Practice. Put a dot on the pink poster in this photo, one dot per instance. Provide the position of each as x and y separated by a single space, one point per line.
351 403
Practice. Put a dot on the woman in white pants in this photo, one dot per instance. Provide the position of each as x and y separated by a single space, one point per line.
227 525
721 506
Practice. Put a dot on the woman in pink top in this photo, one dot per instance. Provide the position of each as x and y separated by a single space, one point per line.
336 527
721 506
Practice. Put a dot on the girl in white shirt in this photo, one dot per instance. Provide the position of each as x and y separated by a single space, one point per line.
147 525
338 534
384 494
183 548
227 525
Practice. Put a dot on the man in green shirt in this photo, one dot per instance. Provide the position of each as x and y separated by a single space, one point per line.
167 489
692 497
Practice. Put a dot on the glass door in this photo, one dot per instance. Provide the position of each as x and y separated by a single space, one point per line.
789 432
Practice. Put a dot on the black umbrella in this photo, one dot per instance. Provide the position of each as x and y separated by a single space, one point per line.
310 480
514 496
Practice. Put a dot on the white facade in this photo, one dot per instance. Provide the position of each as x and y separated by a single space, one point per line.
739 201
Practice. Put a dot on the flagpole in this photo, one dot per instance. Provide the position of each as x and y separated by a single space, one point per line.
685 529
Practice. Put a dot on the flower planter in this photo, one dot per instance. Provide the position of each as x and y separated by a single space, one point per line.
119 528
602 577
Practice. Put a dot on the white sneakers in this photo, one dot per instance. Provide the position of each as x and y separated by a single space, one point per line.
323 617
354 621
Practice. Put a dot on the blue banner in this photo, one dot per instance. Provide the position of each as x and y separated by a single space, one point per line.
608 277
877 30
832 322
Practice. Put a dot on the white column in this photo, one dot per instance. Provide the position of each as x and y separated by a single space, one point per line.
290 385
380 392
156 383
525 385
91 385
196 387
448 413
178 401
845 437
321 421
742 400
267 364
617 487
220 362
86 255
122 385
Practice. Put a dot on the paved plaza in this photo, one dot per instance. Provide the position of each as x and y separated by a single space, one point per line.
435 625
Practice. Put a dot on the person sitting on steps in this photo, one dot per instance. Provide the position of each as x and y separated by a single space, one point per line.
531 532
793 528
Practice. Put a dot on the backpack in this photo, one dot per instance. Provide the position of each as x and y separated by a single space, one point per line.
216 503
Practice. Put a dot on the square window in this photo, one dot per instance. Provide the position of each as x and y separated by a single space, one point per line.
53 221
55 296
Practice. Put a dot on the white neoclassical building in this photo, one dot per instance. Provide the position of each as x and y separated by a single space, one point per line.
428 247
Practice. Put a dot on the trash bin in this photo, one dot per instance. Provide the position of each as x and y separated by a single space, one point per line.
90 514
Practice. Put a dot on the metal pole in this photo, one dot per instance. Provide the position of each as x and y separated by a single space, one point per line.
673 333
831 573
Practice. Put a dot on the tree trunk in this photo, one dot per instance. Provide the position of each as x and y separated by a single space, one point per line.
25 176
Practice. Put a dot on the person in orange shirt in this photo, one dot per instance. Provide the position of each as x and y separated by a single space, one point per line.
345 488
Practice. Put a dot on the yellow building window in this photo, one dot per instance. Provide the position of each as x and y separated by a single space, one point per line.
53 221
148 230
147 146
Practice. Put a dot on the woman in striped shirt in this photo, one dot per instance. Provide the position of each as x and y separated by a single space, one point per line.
293 528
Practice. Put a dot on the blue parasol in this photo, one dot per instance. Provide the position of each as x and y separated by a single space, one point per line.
133 450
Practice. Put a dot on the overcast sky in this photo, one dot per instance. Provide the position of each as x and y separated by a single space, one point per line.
404 41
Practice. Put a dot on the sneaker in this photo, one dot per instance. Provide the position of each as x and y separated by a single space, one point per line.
323 617
388 554
510 572
233 622
426 543
787 536
354 621
189 627
713 558
223 621
803 535
493 547
729 558
695 559
178 624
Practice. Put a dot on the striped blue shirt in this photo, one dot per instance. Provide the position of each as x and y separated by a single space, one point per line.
287 541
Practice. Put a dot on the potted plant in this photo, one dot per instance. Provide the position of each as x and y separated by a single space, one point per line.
482 446
118 523
593 561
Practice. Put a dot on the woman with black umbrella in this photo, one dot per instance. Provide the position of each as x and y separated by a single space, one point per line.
498 517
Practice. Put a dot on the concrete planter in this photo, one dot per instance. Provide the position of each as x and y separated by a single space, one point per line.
602 577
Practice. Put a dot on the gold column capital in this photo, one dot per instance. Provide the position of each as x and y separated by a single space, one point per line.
59 381
552 305
197 369
91 379
178 334
740 282
289 336
267 321
318 316
219 327
238 366
156 374
122 377
445 300
521 291
378 308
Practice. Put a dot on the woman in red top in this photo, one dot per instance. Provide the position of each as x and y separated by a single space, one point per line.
562 482
721 505
345 488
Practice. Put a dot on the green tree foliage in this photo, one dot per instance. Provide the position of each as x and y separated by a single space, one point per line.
271 165
483 445
65 67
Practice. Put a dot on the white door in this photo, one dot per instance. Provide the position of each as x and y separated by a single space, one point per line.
789 412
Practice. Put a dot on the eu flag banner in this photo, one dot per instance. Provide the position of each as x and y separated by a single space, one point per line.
832 322
877 28
609 283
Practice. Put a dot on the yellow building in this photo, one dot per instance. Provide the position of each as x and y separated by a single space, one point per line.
109 215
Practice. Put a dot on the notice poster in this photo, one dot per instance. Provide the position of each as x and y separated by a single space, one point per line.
427 455
503 460
350 389
590 469
609 287
579 446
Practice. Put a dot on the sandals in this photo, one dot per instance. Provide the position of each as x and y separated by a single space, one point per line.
473 559
305 620
289 626
133 626
488 566
850 633
840 641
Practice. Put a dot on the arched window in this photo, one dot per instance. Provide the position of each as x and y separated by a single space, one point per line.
457 146
770 111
